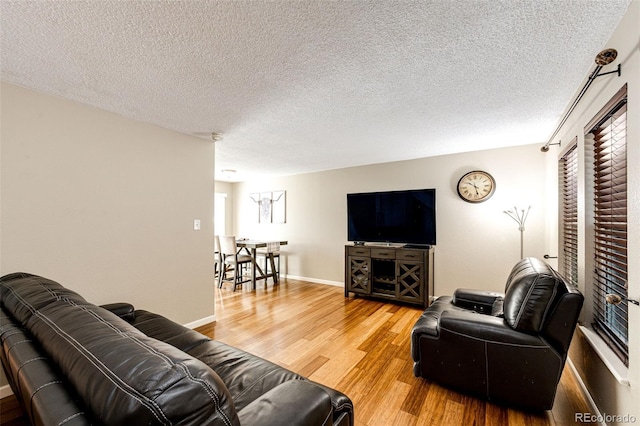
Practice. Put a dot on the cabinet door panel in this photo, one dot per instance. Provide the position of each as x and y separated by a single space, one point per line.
359 275
410 281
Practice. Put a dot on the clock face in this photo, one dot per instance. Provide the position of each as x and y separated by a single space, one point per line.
476 186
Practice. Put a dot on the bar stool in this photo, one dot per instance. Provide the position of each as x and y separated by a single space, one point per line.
218 264
273 249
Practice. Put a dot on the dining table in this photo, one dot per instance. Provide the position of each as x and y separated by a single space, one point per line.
251 246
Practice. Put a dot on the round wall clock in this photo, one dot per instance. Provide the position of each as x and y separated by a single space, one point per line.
476 186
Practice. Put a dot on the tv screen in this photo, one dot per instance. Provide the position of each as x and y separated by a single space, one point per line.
407 217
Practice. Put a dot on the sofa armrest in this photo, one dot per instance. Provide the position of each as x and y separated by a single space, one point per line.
342 405
476 300
293 403
126 311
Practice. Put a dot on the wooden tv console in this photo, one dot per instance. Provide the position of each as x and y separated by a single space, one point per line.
396 273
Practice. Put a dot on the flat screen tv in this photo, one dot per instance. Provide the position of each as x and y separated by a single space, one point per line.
407 217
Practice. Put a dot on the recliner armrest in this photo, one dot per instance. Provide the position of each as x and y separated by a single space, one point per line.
485 327
293 403
126 311
480 301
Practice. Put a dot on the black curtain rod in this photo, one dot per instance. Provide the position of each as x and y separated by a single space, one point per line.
592 77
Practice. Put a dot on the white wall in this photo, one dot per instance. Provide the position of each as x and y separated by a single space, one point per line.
105 205
477 244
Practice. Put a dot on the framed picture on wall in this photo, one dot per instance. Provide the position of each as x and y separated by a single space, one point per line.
271 206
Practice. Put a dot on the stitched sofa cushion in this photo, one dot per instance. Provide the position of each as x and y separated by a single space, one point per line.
40 384
531 290
123 376
247 376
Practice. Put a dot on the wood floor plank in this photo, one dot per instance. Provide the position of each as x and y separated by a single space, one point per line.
379 383
495 415
386 414
405 419
300 350
475 412
312 366
331 372
11 413
453 413
419 390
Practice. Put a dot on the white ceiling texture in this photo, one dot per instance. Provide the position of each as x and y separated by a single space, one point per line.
300 86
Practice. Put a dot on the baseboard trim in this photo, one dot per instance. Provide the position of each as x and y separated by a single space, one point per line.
585 391
5 391
201 322
316 280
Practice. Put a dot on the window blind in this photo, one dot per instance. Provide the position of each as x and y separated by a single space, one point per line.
568 179
609 145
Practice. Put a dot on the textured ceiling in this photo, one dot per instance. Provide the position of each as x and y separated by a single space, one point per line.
298 86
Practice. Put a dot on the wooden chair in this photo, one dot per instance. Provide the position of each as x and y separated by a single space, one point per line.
232 261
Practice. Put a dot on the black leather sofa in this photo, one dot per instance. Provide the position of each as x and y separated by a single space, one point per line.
74 363
509 348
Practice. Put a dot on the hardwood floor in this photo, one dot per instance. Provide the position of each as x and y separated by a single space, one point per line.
11 413
360 347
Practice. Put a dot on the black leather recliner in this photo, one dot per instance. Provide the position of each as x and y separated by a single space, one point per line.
508 348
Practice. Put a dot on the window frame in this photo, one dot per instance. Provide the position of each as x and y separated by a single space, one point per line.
605 141
568 169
